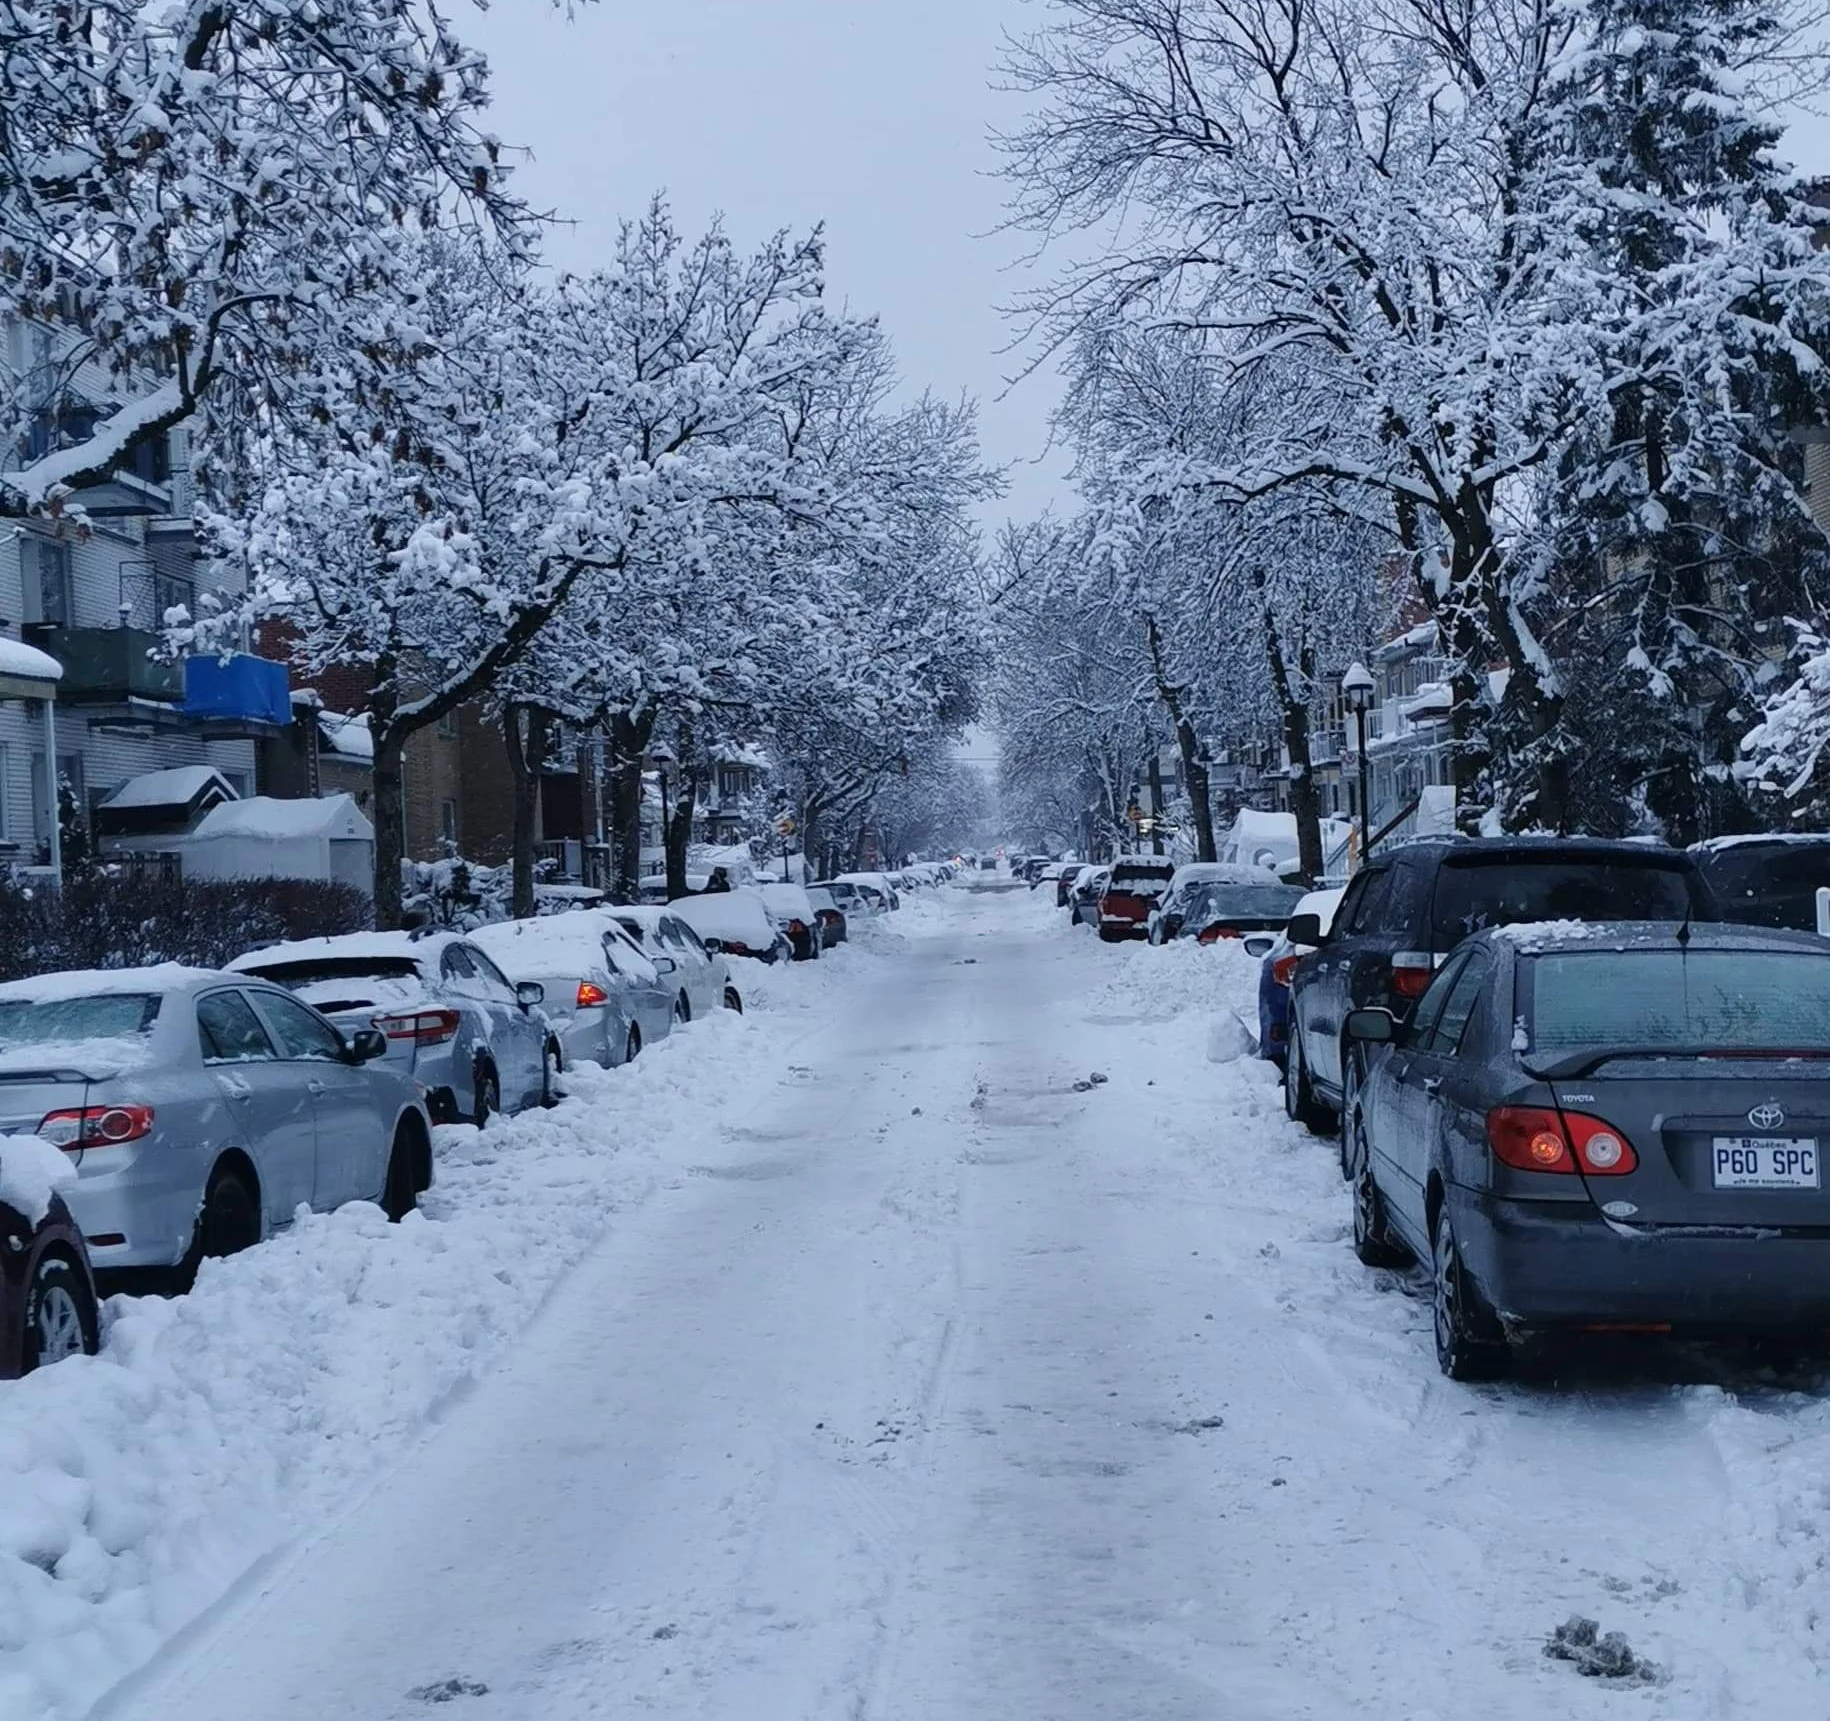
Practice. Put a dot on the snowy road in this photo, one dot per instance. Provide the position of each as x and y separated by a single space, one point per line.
932 1385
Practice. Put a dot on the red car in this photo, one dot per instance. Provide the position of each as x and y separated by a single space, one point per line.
1132 891
47 1296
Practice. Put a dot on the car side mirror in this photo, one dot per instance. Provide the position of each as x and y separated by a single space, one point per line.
366 1045
1372 1027
1306 929
529 993
1259 946
665 965
714 945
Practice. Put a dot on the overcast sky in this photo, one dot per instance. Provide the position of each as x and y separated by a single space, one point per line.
870 115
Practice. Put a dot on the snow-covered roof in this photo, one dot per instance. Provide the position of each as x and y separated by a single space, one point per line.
1759 839
350 946
788 899
265 818
736 916
1216 872
746 755
103 982
1433 699
348 735
553 946
28 662
177 786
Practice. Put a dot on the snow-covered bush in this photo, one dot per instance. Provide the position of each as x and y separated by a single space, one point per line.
106 922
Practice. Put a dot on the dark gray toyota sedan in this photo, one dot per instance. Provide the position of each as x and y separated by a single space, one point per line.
1616 1127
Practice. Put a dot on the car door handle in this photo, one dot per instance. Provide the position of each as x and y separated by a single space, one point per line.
314 1087
1432 1084
235 1089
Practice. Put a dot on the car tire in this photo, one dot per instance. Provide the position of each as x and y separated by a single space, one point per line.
683 1011
1466 1348
1300 1104
228 1221
632 1046
1110 935
486 1092
400 1194
733 999
1352 1136
1373 1242
60 1315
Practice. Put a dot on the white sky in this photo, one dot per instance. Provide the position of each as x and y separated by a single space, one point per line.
871 115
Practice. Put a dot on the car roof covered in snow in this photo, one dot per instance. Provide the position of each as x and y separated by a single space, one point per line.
1220 872
350 947
736 916
107 982
1554 937
553 944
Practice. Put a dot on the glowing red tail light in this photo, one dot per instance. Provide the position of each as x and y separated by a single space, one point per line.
1412 972
1535 1138
1282 968
1213 934
590 996
421 1027
96 1126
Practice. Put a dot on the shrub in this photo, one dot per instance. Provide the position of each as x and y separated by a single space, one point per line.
131 920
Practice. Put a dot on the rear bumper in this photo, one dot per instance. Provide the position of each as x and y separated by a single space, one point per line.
1544 1264
147 1193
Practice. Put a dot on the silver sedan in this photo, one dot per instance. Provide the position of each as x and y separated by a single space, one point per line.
203 1109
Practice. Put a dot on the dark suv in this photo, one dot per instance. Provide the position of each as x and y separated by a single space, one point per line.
1767 880
1409 906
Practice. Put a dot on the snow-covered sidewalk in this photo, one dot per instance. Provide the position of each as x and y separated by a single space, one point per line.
905 1371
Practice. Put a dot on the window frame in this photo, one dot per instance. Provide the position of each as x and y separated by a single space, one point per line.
235 995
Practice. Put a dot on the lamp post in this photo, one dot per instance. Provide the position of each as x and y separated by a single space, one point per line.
1356 694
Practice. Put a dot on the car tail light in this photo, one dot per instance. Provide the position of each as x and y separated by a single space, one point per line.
1213 934
96 1126
1534 1138
1282 968
1412 971
798 927
422 1027
590 996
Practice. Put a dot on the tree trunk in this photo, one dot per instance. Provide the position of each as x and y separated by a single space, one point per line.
526 729
390 835
1188 744
812 837
680 815
1293 703
629 738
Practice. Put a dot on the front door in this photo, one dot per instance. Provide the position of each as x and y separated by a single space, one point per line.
352 1138
269 1110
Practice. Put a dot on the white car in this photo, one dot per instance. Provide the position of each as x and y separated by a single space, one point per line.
736 922
594 1008
704 976
790 908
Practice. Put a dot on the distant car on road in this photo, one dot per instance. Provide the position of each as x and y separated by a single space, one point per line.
791 911
595 1010
452 1019
1611 1127
1083 899
47 1294
202 1109
1065 881
833 927
1409 906
1169 916
1769 880
1133 888
704 975
734 922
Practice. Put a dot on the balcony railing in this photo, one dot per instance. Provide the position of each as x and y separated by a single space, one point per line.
109 663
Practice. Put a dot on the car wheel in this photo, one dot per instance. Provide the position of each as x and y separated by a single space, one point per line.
632 1047
60 1318
552 1065
400 1194
1300 1103
1372 1239
1352 1134
1110 934
488 1096
733 1000
1464 1348
683 1010
228 1222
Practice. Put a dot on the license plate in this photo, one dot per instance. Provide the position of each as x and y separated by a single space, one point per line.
1763 1162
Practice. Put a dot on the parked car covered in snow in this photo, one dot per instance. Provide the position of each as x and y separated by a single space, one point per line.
594 1011
47 1293
703 975
790 909
736 922
833 927
877 881
1083 899
1170 912
1134 886
857 899
202 1109
1279 964
451 1018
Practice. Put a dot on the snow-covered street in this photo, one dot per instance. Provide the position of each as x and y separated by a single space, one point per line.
906 1372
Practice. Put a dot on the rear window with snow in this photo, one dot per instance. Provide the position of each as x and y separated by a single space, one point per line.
76 1021
1703 1000
1472 895
304 973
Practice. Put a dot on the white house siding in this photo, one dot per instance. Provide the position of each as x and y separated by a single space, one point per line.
110 757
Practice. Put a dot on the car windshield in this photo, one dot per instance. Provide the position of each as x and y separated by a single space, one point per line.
1706 1000
1246 901
76 1021
1509 891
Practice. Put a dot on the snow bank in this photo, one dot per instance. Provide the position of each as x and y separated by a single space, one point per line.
31 1172
138 1486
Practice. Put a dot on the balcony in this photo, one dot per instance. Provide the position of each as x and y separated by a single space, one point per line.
249 695
106 665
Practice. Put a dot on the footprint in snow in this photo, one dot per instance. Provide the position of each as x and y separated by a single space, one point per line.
448 1691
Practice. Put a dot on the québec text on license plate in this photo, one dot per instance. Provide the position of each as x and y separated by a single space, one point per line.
1764 1162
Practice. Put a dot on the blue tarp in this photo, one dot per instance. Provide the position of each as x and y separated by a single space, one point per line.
243 689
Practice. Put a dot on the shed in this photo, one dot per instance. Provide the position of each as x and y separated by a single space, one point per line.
160 802
326 840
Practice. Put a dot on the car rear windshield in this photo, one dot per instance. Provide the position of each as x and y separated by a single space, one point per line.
1140 880
1510 891
306 973
1247 901
76 1021
1703 1000
1769 884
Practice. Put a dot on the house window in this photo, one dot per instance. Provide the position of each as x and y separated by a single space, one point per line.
170 592
730 782
45 578
448 823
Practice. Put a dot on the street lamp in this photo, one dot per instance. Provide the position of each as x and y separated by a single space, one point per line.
1356 695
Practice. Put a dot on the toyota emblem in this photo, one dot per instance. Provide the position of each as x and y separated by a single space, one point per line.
1767 1116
